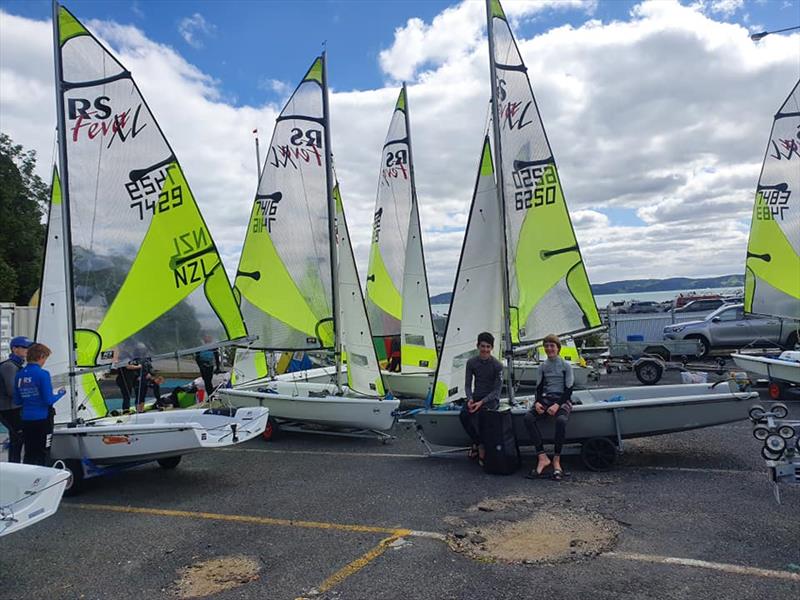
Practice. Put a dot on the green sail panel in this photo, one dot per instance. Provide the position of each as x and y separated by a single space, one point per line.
772 272
147 277
549 289
284 273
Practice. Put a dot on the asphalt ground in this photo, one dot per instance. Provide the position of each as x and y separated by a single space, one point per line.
340 518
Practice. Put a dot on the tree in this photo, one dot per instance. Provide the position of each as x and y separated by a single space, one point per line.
23 200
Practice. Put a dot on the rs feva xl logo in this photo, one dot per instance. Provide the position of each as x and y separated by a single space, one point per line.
89 119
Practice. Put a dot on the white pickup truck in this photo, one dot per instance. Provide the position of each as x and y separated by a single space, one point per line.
730 327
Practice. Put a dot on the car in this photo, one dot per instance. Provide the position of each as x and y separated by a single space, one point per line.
701 305
641 306
730 327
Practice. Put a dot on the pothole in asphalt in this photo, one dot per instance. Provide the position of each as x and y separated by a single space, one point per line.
215 575
546 536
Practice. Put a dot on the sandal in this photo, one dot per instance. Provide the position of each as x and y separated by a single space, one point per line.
472 454
559 474
543 474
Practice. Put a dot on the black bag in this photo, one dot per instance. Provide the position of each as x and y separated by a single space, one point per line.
499 441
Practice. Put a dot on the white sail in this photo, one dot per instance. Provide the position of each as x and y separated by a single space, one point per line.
284 277
772 271
476 303
549 290
418 345
363 372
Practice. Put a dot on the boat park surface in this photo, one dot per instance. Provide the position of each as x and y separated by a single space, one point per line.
692 515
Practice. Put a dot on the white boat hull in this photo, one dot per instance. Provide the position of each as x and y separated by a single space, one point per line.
408 385
153 435
315 403
644 411
771 368
526 373
28 494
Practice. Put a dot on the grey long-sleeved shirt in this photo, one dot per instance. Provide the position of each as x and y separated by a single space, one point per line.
8 371
488 377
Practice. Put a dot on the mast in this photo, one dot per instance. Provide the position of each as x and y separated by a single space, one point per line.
337 341
508 350
258 155
66 235
414 203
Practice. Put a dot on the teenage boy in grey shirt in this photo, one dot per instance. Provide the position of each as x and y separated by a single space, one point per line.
487 374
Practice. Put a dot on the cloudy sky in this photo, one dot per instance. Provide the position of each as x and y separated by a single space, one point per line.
658 112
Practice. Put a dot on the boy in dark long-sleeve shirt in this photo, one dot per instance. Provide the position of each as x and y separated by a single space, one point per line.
487 374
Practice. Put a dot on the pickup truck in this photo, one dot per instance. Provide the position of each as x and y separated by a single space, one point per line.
730 327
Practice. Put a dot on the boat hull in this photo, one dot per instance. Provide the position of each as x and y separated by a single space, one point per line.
645 411
408 385
526 373
154 435
771 368
28 494
315 403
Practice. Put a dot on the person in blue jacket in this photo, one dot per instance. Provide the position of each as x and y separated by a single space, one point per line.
33 390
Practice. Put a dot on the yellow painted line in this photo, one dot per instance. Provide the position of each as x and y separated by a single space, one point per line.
704 564
355 566
161 512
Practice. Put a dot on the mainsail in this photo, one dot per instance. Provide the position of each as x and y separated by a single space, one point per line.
284 277
146 276
549 290
772 267
476 303
398 303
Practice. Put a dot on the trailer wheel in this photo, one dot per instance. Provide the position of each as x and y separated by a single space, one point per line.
768 454
169 463
756 413
76 481
598 454
779 410
649 372
271 430
760 433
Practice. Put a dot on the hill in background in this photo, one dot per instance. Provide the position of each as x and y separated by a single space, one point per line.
646 285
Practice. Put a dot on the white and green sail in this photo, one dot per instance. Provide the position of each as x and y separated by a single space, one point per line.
772 271
398 302
52 321
284 278
363 372
477 301
146 276
548 287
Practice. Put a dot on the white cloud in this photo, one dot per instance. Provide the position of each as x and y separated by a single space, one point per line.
664 116
726 8
193 28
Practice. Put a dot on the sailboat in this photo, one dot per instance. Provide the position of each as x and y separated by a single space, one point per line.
772 266
521 276
398 304
28 494
297 281
130 266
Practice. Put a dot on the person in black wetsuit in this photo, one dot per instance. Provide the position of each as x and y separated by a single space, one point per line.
553 401
487 374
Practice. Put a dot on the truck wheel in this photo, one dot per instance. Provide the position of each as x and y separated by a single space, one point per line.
169 463
706 347
649 372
